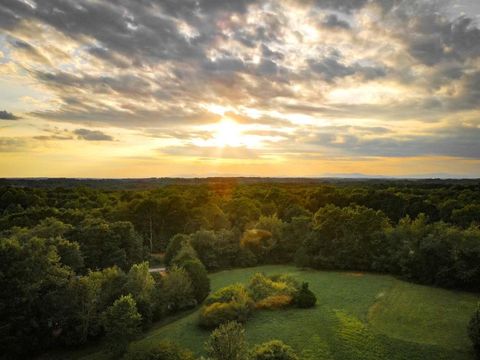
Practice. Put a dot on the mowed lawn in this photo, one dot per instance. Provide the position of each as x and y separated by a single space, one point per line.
358 316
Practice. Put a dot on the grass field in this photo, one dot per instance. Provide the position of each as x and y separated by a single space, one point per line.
358 316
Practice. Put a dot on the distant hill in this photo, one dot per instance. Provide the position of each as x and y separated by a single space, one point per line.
149 183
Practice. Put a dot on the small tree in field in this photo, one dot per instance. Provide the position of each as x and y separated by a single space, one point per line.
227 342
304 298
273 350
474 331
122 323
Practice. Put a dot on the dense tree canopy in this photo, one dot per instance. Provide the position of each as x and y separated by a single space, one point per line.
69 249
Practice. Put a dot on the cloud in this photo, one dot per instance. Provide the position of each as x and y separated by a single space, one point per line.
28 49
13 144
453 141
143 61
341 5
5 115
330 68
438 40
52 137
209 152
333 66
276 68
92 135
333 21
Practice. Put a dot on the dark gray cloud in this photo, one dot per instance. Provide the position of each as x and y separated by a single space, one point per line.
5 115
431 37
341 5
461 141
20 44
469 96
144 31
92 135
227 64
334 22
124 84
332 66
52 137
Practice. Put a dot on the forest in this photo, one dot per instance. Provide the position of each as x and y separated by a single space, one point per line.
75 256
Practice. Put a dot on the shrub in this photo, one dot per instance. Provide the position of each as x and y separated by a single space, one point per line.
162 351
474 331
274 302
305 298
261 287
227 304
227 342
289 280
227 294
218 313
273 350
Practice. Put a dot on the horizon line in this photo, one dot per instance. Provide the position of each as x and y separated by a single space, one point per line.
192 177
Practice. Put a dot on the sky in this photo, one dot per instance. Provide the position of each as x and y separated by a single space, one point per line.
294 88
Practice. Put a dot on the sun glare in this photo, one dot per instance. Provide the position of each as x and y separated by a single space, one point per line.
228 133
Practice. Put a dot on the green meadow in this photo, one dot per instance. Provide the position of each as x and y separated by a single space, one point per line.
358 316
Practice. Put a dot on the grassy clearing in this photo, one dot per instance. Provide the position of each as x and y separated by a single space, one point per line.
358 316
424 315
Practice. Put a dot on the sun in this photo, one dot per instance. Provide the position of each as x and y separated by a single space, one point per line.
228 133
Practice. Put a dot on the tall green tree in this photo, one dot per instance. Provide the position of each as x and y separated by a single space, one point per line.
345 238
33 283
106 244
186 253
177 289
87 297
140 284
122 324
146 215
199 277
174 246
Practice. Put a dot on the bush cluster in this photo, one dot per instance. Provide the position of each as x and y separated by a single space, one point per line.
273 350
227 304
261 287
236 302
274 302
